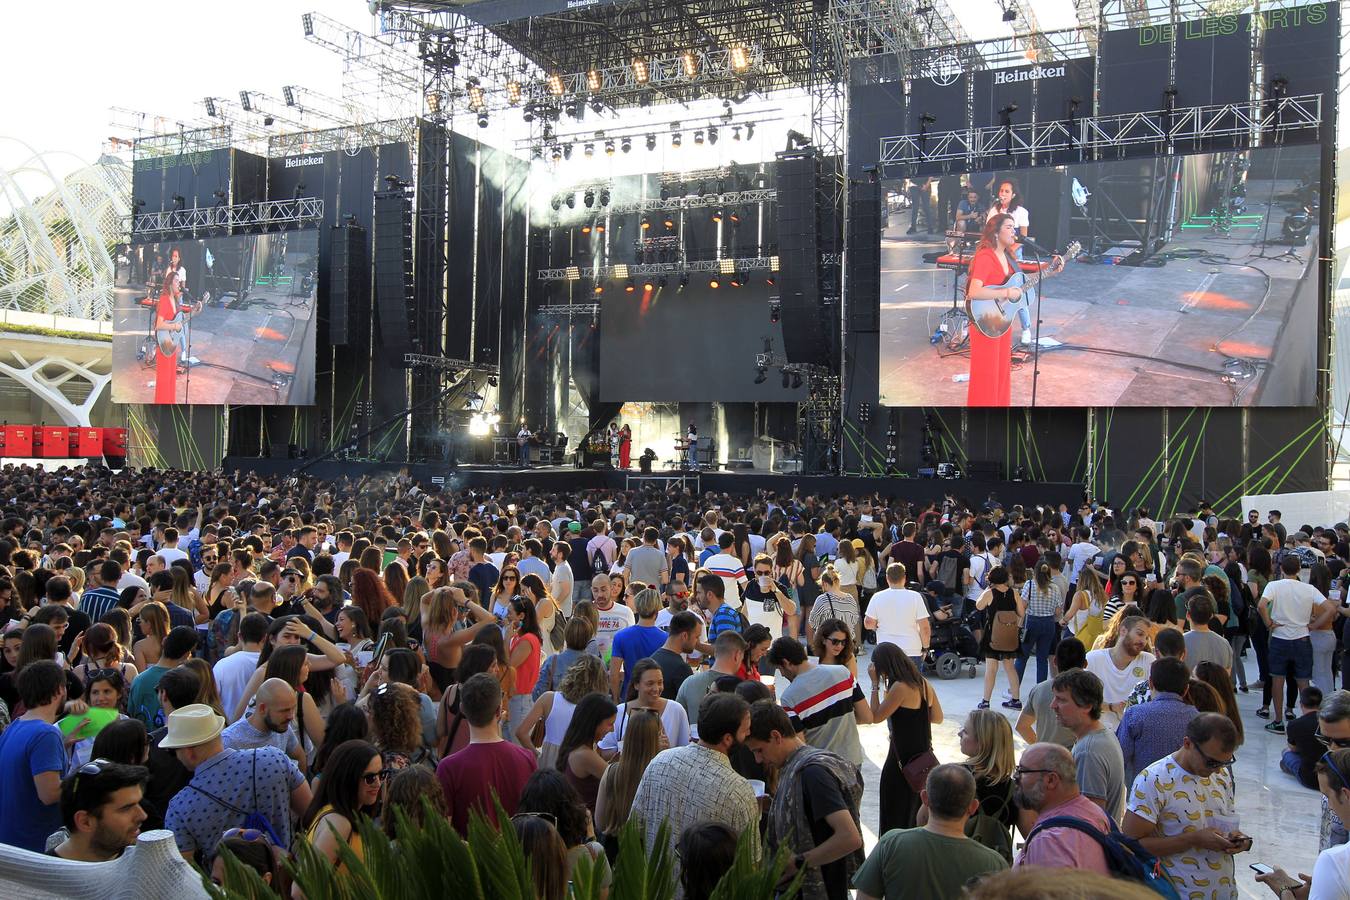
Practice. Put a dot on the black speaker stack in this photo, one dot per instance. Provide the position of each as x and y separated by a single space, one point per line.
394 270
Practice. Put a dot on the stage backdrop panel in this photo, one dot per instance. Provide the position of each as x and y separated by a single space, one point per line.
696 345
1134 71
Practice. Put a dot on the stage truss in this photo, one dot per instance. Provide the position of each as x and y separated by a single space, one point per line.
268 215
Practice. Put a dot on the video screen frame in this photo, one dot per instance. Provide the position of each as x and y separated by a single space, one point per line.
224 320
1197 286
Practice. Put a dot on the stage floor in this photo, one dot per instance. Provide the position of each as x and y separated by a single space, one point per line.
1132 336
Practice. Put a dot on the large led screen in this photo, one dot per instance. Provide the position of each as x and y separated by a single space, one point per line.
224 320
1194 285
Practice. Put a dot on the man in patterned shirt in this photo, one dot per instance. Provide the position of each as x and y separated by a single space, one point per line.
695 783
1181 810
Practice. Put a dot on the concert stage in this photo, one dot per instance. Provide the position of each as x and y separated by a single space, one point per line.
559 479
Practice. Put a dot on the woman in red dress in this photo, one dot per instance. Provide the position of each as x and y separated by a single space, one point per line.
991 358
625 446
167 318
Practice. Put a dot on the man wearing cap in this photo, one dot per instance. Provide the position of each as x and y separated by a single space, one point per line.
227 786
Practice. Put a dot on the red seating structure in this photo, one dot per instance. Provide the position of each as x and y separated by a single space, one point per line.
63 442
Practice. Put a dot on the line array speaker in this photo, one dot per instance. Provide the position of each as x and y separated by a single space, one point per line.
864 256
394 270
348 287
805 333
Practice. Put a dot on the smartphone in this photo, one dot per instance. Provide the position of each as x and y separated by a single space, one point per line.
1262 869
380 648
1289 882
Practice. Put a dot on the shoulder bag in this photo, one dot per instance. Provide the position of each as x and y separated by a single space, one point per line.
917 769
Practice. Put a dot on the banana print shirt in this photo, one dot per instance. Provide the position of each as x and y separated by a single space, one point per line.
1177 802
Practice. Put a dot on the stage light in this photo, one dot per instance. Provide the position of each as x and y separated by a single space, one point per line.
676 139
556 203
670 223
645 99
567 151
736 132
593 81
572 273
433 99
179 201
589 150
555 84
736 279
513 93
712 134
662 281
796 380
690 62
307 22
726 266
775 311
717 215
640 71
646 224
586 229
698 136
589 197
771 281
626 145
599 227
630 287
787 378
621 270
477 99
749 130
740 60
714 282
651 142
604 196
245 101
556 153
211 107
571 201
599 289
609 148
735 218
1010 14
761 376
684 282
702 188
482 120
773 264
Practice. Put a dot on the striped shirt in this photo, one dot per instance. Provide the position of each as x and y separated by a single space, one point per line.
820 703
95 602
1048 602
732 573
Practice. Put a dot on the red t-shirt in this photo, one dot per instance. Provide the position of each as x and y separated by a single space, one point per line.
985 266
527 673
470 777
167 308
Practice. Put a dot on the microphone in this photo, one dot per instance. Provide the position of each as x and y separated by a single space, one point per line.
1029 243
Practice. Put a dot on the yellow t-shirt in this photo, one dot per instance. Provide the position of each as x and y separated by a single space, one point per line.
353 840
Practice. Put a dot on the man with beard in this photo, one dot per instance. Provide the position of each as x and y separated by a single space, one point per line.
270 723
1121 667
1047 792
101 808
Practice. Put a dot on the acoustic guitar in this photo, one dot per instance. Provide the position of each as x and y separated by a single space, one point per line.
994 317
166 338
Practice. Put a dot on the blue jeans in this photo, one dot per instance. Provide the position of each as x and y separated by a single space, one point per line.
1037 636
1290 762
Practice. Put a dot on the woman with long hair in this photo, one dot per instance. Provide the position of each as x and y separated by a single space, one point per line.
183 594
395 579
525 656
999 599
413 592
834 603
847 567
546 610
507 587
123 741
810 587
644 737
544 848
586 675
911 708
1214 675
349 789
1320 630
220 592
120 621
1124 589
678 552
787 569
345 723
578 759
443 639
644 692
990 269
833 645
103 689
406 790
208 693
396 726
1084 618
154 622
370 594
101 650
548 794
987 742
1161 612
452 731
758 639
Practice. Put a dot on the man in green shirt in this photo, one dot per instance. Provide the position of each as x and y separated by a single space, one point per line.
936 861
143 702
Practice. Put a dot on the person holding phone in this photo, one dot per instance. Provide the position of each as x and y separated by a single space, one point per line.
1331 873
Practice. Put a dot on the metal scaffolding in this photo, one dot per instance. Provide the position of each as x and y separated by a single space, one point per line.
265 216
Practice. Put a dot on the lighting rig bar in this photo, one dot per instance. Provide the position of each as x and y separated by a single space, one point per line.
642 270
674 204
568 310
654 132
182 140
446 364
348 137
1096 133
267 214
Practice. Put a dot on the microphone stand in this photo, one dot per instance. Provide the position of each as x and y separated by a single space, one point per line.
1036 335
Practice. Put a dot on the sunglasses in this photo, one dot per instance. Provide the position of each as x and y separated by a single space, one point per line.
1125 581
838 642
1212 763
508 578
373 778
1331 742
250 835
93 767
550 818
1019 772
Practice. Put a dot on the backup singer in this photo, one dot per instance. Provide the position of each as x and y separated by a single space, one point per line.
991 358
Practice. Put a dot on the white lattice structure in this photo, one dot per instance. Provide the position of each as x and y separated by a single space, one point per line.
57 235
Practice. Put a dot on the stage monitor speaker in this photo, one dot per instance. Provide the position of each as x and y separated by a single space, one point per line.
393 270
805 332
864 256
984 470
348 286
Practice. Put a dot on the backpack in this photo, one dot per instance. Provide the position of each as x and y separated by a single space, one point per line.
949 570
252 820
1125 857
990 831
982 580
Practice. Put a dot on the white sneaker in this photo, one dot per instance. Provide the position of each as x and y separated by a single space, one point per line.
1026 335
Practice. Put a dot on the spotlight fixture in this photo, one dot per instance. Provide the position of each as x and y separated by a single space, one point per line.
770 281
572 273
626 145
1010 14
640 71
787 378
245 102
211 107
736 280
268 121
749 130
433 99
648 286
556 203
604 196
179 201
796 380
669 223
588 149
712 134
555 84
567 151
726 266
690 62
599 289
662 281
651 142
665 192
482 120
684 282
676 139
629 287
571 201
761 375
589 197
609 148
513 93
646 224
775 311
593 81
736 132
698 136
586 229
735 217
714 282
556 153
717 215
740 59
599 227
477 99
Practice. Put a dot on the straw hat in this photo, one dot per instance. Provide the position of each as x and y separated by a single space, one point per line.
192 726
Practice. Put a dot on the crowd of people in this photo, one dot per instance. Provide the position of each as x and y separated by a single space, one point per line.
257 663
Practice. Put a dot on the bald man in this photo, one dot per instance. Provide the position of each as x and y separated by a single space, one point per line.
269 725
1046 788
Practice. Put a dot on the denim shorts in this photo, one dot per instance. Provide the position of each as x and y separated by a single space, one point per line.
1282 652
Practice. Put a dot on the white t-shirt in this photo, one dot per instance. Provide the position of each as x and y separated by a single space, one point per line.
170 555
897 612
1080 554
673 719
339 558
1021 218
980 566
232 674
732 573
560 586
611 620
131 579
1118 683
1291 607
1331 874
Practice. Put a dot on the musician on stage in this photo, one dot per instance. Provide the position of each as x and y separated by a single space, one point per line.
523 445
692 439
970 216
1008 202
